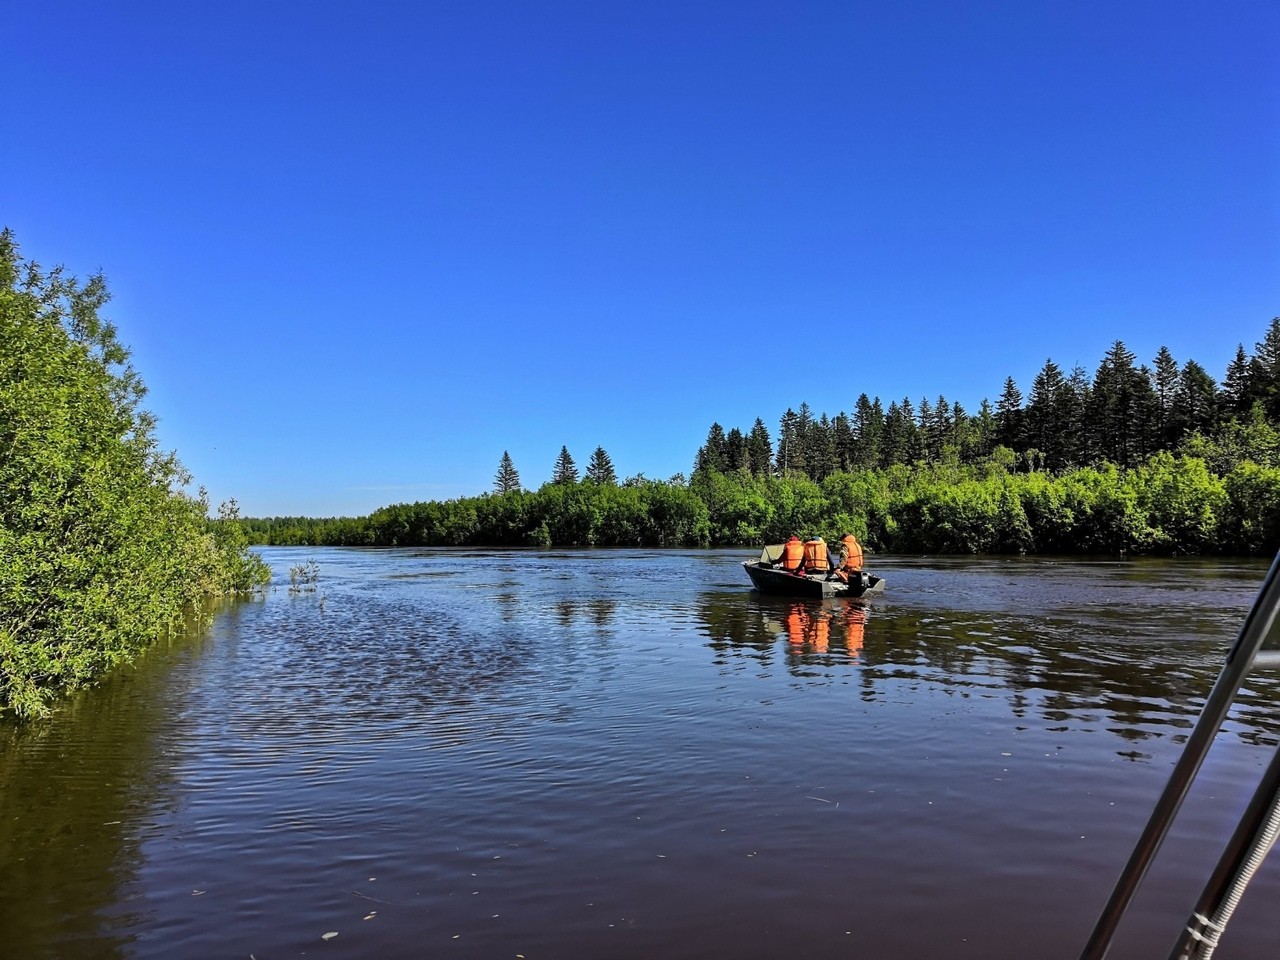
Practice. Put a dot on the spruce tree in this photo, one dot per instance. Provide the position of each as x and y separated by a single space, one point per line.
735 457
1265 370
980 434
789 455
868 427
1195 405
600 469
843 439
714 454
1009 417
1237 386
1044 417
1165 383
506 479
565 472
760 449
1121 408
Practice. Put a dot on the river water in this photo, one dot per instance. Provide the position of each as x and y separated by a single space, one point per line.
626 754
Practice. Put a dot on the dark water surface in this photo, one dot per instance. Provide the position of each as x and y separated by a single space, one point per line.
618 754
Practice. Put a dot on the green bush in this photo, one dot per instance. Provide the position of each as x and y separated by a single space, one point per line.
100 550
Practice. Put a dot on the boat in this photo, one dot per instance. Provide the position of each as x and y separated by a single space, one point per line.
768 578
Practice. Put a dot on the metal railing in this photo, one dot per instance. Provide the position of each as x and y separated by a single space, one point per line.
1257 830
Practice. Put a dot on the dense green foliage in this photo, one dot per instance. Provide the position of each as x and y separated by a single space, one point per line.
1134 460
100 550
1168 505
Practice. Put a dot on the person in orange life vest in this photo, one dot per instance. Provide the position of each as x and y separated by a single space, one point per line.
792 555
816 556
850 557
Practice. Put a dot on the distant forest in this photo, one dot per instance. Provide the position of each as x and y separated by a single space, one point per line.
1133 459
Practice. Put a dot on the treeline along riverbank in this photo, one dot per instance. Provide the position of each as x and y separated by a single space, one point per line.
1169 505
1133 460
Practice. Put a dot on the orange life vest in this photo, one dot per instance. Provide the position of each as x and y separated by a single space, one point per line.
792 554
815 555
852 553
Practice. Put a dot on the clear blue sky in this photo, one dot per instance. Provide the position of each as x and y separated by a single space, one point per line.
360 249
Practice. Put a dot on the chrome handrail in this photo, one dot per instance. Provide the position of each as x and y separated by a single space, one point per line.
1240 660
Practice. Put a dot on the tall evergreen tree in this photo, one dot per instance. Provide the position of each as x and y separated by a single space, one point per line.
1165 384
600 469
735 458
565 472
790 453
506 479
1075 405
1265 370
868 427
713 454
912 450
806 455
1009 417
1045 416
1195 406
1121 407
760 449
930 442
1237 387
957 428
842 438
893 439
821 454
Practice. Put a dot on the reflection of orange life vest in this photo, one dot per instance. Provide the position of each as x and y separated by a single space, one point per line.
854 631
822 632
853 553
796 623
792 554
815 554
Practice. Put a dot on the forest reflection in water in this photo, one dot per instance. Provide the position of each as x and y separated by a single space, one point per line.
623 753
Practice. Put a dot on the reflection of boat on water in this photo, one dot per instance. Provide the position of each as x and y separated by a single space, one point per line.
770 579
816 629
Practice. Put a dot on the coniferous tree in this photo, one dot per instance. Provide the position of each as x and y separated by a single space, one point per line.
600 469
1075 405
1121 408
1044 417
1164 382
842 439
1195 406
979 435
790 455
941 426
1265 370
821 449
1009 417
957 427
805 454
868 428
735 456
760 449
911 446
713 455
506 479
1237 386
565 472
929 448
